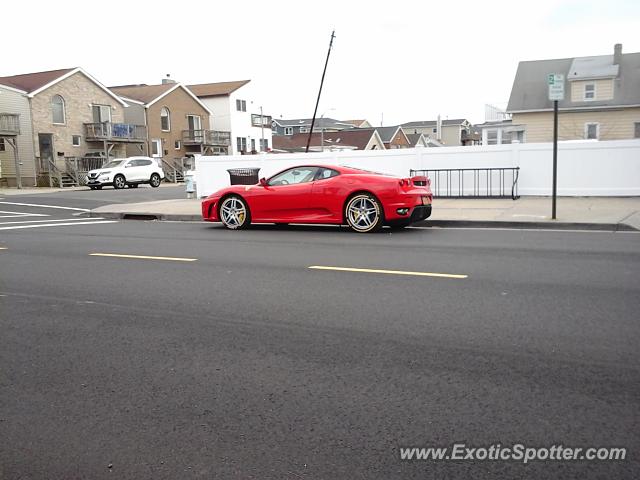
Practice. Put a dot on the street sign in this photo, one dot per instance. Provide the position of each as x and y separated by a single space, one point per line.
556 86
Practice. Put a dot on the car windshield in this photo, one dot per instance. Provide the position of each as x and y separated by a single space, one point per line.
113 163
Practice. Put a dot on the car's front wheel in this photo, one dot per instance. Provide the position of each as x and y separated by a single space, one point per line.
155 180
234 213
364 213
119 182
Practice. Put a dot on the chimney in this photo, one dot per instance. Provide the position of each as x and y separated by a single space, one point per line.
168 80
617 54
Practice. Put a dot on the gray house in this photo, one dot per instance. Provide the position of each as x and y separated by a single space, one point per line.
303 125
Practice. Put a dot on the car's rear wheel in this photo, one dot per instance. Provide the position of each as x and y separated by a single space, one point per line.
234 213
155 180
364 213
119 182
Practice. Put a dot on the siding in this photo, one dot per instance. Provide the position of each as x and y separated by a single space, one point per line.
604 90
614 124
14 102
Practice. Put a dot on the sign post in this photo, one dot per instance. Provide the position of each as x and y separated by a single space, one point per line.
556 93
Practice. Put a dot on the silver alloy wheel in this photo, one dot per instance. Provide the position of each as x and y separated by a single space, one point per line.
155 180
233 213
119 182
363 213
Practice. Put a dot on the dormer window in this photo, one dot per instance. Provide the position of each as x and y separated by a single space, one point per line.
590 91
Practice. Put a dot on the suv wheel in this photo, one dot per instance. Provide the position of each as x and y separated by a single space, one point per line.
119 182
155 180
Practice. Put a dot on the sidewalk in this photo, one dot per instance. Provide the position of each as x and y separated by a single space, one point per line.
591 213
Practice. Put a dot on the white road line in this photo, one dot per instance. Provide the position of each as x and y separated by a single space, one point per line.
505 229
21 214
142 257
58 220
16 227
390 272
46 206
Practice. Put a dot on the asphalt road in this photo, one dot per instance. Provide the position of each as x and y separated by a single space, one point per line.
244 363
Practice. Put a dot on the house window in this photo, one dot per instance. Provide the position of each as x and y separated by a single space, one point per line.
288 130
75 140
2 146
194 123
492 137
101 113
304 130
264 145
165 119
590 91
241 105
57 109
636 130
177 145
241 144
156 147
434 130
591 131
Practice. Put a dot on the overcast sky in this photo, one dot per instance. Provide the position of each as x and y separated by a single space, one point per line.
408 60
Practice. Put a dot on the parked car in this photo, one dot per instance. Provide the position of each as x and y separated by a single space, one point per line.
323 194
121 172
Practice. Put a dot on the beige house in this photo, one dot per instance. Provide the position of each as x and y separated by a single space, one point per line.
602 98
448 133
177 121
72 116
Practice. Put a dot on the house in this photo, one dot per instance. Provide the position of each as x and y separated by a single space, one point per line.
353 139
71 114
303 125
602 98
16 139
499 132
235 109
422 140
358 123
177 122
393 137
450 133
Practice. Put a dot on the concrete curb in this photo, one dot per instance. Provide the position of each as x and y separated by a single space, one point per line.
548 225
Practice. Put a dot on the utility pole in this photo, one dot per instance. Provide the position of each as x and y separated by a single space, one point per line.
315 111
263 147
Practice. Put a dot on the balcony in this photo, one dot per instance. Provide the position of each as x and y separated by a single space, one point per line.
115 132
206 137
260 121
9 124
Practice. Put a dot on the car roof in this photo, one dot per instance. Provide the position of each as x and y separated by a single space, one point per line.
339 168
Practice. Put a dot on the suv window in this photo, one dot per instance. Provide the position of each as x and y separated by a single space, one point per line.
294 176
143 163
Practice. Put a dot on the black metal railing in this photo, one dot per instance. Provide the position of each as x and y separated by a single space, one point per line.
473 182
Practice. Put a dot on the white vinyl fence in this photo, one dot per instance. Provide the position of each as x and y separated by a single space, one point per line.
588 168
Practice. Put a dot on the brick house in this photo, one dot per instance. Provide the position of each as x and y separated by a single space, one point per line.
72 114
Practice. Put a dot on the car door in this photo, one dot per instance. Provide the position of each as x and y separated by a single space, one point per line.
326 200
285 197
133 170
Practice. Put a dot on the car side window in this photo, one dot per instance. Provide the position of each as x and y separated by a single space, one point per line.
130 163
294 176
325 173
143 163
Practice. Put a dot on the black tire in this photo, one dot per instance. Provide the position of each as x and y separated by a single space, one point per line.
119 182
363 213
238 217
155 180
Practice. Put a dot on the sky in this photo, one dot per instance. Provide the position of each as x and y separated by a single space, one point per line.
391 62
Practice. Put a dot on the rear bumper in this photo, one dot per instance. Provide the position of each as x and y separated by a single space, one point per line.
419 213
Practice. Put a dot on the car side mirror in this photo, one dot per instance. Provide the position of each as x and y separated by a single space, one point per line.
263 182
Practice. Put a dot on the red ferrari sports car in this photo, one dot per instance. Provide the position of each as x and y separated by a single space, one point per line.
323 194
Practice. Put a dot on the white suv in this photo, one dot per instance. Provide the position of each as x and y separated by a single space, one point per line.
121 172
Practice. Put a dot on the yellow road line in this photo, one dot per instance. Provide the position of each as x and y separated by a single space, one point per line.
3 248
390 272
143 257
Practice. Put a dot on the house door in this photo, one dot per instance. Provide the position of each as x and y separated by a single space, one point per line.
45 144
156 148
194 122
